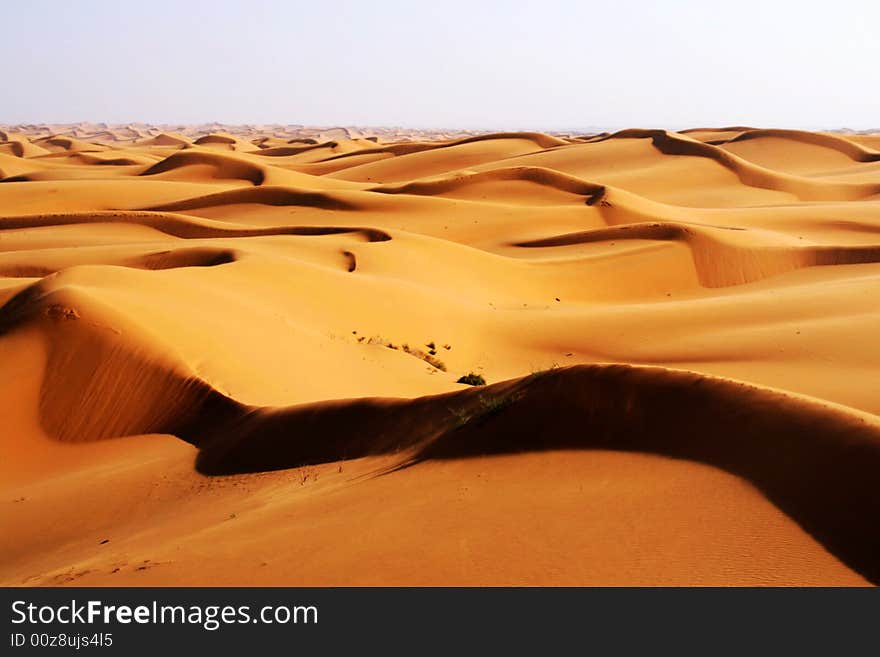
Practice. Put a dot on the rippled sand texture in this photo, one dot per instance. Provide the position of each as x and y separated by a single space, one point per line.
233 359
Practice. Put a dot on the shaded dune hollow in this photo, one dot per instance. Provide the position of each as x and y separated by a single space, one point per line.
219 165
264 338
15 267
719 263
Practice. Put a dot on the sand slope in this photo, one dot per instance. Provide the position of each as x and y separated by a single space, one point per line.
230 356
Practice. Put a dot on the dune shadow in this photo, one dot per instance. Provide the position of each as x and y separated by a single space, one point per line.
816 462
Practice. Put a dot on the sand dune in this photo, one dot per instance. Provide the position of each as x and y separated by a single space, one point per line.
240 349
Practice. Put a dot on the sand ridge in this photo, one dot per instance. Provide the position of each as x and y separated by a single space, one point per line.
252 338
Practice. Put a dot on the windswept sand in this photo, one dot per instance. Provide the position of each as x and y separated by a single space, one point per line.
230 356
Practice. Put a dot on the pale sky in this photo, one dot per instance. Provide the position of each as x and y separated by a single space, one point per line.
550 64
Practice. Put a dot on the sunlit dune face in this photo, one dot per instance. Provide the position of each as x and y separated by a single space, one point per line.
632 358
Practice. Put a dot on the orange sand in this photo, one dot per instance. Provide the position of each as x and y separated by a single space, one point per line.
230 356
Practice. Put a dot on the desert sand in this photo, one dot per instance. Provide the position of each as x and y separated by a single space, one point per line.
230 356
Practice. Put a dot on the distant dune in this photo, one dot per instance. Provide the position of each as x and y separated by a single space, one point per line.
233 355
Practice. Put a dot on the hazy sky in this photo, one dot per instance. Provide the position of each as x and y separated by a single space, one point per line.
550 64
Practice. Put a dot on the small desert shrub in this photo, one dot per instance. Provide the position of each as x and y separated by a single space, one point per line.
428 358
472 380
488 405
461 416
418 353
439 364
537 374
